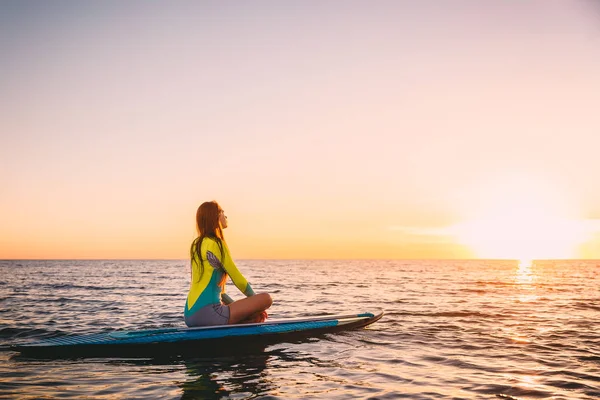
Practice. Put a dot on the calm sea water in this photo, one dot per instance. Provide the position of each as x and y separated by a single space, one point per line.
452 329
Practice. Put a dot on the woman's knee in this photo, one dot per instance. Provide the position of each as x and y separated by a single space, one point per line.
266 300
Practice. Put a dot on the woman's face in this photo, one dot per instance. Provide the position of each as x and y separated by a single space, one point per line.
222 219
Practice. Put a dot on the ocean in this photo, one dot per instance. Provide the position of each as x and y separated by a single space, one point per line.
453 329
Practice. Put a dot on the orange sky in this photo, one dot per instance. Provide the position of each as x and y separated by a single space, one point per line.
396 130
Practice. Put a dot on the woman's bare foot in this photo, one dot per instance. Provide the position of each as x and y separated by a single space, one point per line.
255 318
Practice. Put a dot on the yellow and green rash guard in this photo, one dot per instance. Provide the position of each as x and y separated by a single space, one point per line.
207 289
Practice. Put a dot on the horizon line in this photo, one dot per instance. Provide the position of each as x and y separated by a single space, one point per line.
305 259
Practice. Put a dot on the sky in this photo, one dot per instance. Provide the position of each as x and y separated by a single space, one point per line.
354 129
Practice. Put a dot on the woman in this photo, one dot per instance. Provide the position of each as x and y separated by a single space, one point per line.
207 303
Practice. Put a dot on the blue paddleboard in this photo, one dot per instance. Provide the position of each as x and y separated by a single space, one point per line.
200 340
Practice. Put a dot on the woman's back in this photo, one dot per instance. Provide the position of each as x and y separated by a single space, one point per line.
208 277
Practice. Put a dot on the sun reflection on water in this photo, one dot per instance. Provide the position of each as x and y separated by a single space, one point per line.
524 274
525 278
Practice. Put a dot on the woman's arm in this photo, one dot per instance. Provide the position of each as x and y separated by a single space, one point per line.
236 276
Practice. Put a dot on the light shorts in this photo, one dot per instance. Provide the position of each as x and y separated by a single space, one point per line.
212 314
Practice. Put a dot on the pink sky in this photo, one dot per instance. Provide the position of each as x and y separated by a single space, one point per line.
324 129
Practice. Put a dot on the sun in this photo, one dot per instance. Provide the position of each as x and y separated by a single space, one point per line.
521 222
522 237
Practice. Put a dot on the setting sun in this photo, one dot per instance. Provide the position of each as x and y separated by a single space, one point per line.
521 237
521 219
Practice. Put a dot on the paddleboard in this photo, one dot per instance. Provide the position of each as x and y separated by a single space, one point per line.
199 340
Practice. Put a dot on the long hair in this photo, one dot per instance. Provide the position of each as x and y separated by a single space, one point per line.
207 225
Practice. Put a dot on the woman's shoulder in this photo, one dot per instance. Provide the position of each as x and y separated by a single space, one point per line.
210 241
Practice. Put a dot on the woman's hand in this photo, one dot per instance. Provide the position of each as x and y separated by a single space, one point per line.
226 299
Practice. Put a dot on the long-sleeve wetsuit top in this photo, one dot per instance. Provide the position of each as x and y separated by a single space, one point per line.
207 289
